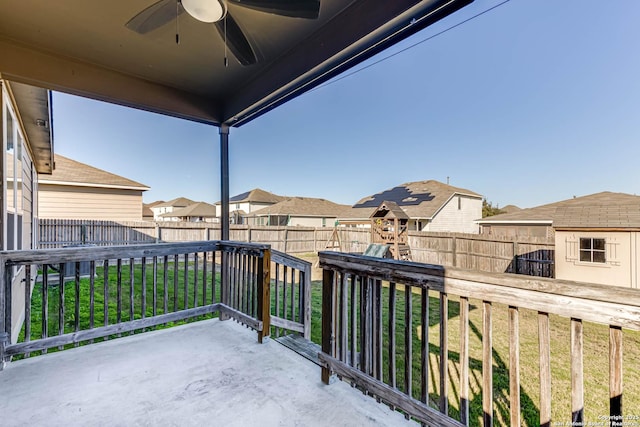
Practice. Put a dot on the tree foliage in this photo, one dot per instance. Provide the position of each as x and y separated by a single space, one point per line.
489 210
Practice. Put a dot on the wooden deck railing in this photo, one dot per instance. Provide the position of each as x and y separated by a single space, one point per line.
84 293
377 317
291 295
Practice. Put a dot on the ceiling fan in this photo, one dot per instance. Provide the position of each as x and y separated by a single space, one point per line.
216 12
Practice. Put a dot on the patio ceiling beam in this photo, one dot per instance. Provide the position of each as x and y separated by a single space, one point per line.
25 64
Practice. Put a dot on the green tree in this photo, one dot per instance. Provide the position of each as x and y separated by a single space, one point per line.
489 210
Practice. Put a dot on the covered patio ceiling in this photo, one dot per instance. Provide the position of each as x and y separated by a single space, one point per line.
86 48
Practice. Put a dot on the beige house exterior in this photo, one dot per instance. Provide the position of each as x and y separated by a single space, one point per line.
245 204
430 205
27 153
76 190
599 243
197 212
161 209
299 211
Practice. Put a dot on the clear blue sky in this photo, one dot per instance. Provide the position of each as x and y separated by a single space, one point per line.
531 103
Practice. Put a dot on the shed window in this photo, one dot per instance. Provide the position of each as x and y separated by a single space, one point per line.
592 250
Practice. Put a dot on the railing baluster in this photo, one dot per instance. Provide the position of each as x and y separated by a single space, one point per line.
143 302
131 288
514 366
204 280
119 293
328 319
615 374
61 311
45 304
544 344
424 345
165 284
76 299
293 294
285 277
342 322
92 294
487 364
444 353
378 323
195 279
154 298
277 297
408 340
392 335
364 327
264 295
175 282
577 384
353 321
185 284
27 305
106 293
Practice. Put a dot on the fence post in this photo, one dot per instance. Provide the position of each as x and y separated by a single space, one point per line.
264 295
328 320
453 249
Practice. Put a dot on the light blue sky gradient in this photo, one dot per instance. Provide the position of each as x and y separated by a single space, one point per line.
531 103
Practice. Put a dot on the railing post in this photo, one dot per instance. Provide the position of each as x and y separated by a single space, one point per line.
264 295
328 320
306 315
5 311
224 281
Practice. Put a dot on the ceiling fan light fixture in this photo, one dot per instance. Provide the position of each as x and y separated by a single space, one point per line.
205 10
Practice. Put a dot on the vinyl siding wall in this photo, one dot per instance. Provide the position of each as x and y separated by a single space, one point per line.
66 202
452 219
621 253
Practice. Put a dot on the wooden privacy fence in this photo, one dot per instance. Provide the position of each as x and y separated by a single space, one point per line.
387 327
529 256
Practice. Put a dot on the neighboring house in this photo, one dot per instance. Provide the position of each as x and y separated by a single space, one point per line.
538 221
147 212
430 205
599 242
197 212
27 153
247 203
78 191
300 211
160 209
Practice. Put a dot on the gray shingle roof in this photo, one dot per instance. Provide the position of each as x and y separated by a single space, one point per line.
199 209
256 195
420 199
72 172
303 206
178 202
603 210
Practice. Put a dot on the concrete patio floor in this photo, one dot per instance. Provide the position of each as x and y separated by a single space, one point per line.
202 374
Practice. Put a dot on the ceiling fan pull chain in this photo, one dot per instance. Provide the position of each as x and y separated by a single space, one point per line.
177 22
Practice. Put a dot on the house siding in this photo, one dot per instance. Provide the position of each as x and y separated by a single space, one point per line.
622 258
67 202
452 219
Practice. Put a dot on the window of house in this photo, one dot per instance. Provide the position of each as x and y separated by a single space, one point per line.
592 250
459 202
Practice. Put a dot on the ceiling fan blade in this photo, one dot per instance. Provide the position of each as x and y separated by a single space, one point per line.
236 40
155 16
308 9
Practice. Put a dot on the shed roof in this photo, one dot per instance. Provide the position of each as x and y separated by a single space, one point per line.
594 210
420 199
303 206
389 210
73 173
86 48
